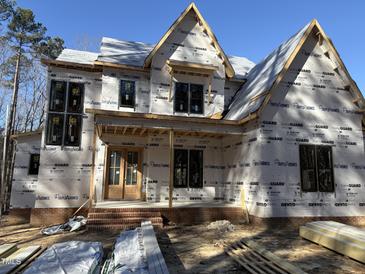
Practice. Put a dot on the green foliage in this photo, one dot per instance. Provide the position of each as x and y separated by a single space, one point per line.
23 30
6 9
51 47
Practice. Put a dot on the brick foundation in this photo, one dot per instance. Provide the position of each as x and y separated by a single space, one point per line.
19 216
51 216
192 215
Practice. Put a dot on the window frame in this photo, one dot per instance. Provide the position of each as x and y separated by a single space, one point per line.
317 188
30 164
188 175
120 94
65 114
189 112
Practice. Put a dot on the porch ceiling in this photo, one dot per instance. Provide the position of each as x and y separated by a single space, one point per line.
142 127
143 131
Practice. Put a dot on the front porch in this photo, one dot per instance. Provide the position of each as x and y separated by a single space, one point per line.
157 139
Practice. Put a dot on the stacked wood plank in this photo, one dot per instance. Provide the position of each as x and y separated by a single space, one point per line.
13 259
256 259
344 239
155 260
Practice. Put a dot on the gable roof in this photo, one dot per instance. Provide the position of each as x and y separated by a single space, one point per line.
229 69
261 79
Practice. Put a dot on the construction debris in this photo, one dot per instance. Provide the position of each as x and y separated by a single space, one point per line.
70 257
16 257
256 259
222 226
73 224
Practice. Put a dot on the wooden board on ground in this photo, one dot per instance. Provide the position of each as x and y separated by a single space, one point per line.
7 249
15 259
156 262
344 239
256 259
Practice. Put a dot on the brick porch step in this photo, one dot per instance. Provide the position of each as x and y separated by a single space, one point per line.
124 214
126 221
111 219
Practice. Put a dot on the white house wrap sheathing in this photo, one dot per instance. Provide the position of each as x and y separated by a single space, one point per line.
309 106
23 191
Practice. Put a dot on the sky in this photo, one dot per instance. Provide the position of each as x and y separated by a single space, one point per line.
244 28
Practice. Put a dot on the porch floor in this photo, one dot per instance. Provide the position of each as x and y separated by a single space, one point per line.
176 204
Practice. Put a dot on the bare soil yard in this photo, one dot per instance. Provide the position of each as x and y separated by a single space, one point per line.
197 249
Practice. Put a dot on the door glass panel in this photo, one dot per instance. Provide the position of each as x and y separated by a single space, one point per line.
131 168
196 169
114 168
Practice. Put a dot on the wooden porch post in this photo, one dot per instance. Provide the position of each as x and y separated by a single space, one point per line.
171 185
91 190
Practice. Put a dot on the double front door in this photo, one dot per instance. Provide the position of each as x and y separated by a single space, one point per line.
124 174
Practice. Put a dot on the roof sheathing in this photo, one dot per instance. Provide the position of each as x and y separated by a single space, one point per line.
261 78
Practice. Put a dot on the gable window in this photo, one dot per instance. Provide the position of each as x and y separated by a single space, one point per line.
127 93
316 168
188 168
64 119
33 164
189 98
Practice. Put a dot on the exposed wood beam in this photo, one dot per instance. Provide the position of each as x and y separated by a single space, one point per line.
124 130
143 130
134 130
171 177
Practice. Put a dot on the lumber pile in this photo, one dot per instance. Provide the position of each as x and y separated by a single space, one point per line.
344 239
13 259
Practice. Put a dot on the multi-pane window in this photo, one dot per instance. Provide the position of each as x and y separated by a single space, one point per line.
316 168
188 168
64 119
33 164
189 98
127 93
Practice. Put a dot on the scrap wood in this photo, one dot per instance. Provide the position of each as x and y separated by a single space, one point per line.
14 260
23 265
256 259
7 249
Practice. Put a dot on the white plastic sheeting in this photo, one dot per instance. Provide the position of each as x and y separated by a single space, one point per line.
71 257
73 224
129 254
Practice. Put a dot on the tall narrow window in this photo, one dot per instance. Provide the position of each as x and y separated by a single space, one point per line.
73 129
64 120
127 93
33 164
325 169
57 96
316 168
196 168
188 168
75 96
181 97
180 168
196 98
189 98
55 129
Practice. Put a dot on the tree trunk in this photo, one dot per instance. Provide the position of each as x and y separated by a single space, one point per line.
9 156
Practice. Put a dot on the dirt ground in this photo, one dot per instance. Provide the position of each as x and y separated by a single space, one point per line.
196 249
